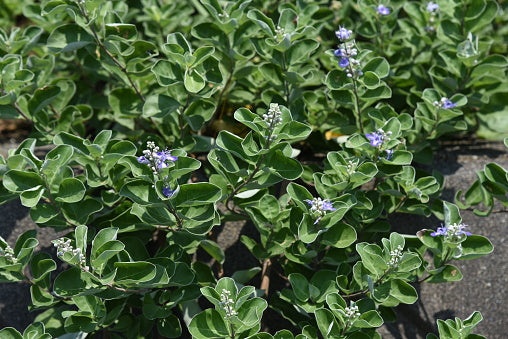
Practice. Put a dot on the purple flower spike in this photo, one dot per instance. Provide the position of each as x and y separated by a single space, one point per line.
167 192
383 10
343 33
343 62
376 139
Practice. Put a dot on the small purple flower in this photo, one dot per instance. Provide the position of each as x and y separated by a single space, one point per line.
166 156
376 139
389 154
445 103
343 33
327 206
383 10
142 160
449 104
167 191
162 158
343 62
432 7
319 207
440 231
338 53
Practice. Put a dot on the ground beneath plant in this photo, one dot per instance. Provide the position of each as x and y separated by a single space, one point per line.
483 287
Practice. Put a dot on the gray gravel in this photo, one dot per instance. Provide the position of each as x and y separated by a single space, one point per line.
483 287
15 297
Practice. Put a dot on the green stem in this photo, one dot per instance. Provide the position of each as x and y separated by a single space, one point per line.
53 203
172 210
232 328
117 63
401 202
224 90
53 294
448 252
257 168
286 85
245 182
111 286
343 332
358 116
108 53
424 279
434 127
363 292
57 114
18 109
181 122
380 37
445 261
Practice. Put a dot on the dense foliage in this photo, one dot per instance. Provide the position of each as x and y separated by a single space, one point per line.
308 119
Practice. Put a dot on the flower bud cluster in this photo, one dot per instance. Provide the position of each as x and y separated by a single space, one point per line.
444 103
64 246
280 34
272 118
155 158
395 256
319 207
351 312
227 304
8 253
351 167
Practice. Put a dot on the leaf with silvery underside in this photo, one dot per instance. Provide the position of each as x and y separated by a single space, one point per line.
196 194
68 37
193 80
198 113
140 191
159 106
132 273
208 324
